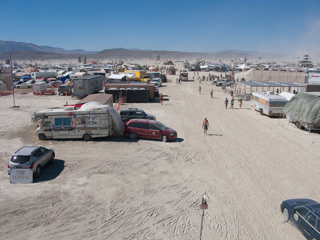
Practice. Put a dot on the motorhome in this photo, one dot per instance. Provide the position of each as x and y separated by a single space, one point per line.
92 120
38 75
268 103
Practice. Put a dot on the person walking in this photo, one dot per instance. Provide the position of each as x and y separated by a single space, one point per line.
199 89
161 99
232 102
226 102
211 93
205 125
240 102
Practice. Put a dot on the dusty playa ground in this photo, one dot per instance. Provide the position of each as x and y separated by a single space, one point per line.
117 188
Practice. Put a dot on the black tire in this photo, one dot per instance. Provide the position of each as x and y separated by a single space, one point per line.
42 136
298 125
52 157
164 138
87 137
18 86
133 135
38 172
285 214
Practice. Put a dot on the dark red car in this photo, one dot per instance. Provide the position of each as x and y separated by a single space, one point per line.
144 128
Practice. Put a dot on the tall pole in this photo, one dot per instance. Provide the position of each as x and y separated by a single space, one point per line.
11 76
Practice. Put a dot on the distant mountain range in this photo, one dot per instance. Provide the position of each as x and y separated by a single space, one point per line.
29 51
6 46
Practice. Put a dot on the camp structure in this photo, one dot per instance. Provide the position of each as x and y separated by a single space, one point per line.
86 85
105 99
304 110
133 92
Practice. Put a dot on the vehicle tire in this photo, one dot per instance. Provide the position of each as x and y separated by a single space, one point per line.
285 214
42 136
298 125
38 172
52 157
133 135
18 86
164 138
87 137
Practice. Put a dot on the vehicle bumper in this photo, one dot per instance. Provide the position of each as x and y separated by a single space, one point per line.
170 138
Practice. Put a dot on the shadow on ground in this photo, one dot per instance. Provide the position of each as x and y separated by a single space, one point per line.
50 171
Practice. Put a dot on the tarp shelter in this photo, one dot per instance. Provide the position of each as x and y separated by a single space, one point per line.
117 78
304 107
105 99
25 77
31 69
64 78
243 67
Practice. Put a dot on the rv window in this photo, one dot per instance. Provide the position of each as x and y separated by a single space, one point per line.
66 122
58 122
277 103
62 122
267 102
256 98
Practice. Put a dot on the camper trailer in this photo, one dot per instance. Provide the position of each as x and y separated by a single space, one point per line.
92 120
268 103
38 75
86 85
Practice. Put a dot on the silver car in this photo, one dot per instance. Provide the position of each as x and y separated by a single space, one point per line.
31 157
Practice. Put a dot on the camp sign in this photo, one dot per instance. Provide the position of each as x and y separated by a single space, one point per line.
21 176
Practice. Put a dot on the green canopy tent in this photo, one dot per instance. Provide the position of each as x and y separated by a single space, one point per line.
304 110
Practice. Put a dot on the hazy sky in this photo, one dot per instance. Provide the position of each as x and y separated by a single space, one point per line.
274 26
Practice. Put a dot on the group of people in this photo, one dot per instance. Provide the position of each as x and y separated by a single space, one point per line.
226 102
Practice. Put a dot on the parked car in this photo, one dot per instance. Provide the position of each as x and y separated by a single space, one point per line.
156 81
134 113
227 82
31 157
304 214
24 85
65 88
145 128
54 84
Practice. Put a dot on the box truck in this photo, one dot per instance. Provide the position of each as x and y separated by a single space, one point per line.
87 85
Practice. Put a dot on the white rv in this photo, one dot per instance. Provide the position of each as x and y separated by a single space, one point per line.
268 103
92 120
49 74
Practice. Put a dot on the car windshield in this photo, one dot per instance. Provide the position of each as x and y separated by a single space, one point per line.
20 159
161 126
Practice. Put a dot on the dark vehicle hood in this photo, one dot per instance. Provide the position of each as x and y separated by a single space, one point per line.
170 130
299 201
151 116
